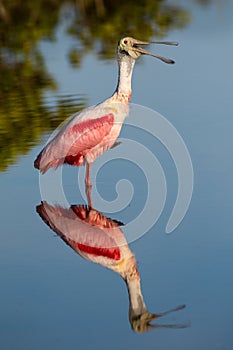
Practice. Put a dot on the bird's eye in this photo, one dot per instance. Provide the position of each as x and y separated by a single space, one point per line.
125 42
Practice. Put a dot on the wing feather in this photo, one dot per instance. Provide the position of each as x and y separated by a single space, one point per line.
73 138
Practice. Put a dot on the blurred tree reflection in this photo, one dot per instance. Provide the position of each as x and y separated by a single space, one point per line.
96 24
103 22
24 115
204 2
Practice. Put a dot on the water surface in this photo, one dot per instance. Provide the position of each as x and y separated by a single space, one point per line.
50 297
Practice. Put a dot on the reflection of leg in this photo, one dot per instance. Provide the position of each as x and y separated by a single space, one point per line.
88 194
88 177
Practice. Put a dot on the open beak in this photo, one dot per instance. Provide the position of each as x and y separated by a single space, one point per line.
137 48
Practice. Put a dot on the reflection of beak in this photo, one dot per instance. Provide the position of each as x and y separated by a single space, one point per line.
137 48
141 323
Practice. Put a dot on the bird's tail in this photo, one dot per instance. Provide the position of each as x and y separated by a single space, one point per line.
37 161
43 166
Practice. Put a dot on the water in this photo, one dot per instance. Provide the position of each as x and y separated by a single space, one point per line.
50 297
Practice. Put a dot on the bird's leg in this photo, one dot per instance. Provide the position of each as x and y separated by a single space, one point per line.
88 185
88 177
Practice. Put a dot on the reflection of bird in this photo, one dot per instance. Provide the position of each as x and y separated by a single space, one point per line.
100 239
94 130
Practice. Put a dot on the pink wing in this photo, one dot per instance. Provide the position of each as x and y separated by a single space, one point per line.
94 241
74 141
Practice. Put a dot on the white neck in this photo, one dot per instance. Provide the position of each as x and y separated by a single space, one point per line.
126 65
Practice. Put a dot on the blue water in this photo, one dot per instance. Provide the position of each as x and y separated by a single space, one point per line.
52 298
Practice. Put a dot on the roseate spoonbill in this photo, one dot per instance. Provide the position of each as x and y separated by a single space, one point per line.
95 129
99 239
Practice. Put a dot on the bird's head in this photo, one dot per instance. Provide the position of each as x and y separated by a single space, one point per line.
130 46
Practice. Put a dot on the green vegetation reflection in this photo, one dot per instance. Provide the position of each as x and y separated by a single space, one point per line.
99 24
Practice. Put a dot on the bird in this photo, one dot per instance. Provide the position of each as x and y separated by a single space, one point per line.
101 240
94 130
